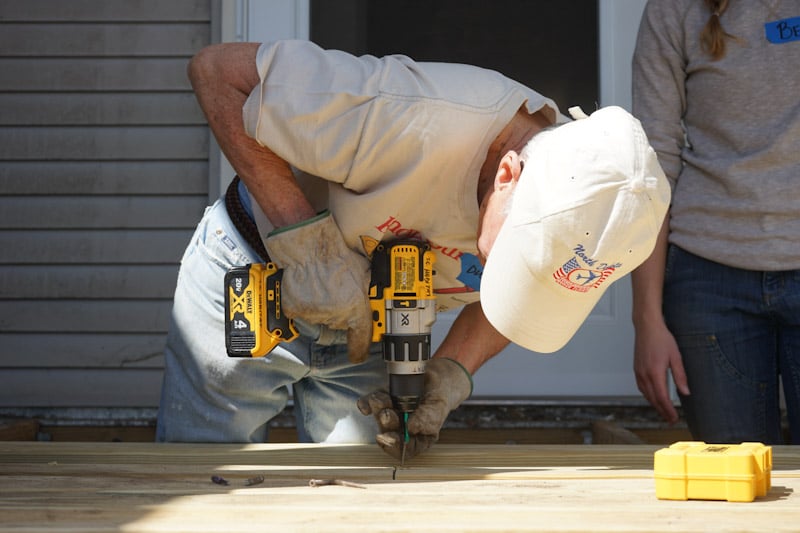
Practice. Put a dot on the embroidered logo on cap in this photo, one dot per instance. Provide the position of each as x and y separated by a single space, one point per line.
575 278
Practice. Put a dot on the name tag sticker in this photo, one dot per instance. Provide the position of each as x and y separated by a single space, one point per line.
783 31
471 271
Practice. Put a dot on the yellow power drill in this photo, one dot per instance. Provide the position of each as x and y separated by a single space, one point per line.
403 312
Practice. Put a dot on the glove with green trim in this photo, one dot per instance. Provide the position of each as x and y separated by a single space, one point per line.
324 281
447 384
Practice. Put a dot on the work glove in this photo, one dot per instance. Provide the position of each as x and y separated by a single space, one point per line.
447 384
324 281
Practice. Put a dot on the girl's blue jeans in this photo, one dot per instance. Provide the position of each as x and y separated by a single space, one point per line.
739 336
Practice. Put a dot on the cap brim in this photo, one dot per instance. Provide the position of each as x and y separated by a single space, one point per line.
528 310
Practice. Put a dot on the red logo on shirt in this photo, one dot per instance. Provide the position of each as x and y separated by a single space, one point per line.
393 226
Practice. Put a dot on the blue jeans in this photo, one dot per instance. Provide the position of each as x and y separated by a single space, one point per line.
739 334
209 397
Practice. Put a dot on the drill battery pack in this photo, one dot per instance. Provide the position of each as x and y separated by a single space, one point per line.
692 470
254 321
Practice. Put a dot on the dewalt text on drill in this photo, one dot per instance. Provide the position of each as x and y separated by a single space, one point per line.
403 312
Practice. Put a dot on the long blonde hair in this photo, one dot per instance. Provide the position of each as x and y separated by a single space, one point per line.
713 36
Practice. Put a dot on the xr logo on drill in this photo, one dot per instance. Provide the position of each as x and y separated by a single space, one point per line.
405 320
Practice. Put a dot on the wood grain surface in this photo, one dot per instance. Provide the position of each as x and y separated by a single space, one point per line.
88 487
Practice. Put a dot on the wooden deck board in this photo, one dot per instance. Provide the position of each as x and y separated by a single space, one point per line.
149 487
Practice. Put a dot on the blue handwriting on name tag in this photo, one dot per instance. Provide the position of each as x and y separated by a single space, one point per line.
471 272
783 31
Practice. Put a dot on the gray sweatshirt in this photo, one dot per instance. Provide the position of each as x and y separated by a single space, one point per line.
727 132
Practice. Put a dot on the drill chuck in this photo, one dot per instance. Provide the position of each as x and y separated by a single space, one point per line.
406 390
405 356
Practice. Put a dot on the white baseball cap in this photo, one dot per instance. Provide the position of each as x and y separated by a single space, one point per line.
587 210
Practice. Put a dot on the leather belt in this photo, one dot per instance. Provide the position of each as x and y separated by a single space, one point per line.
242 220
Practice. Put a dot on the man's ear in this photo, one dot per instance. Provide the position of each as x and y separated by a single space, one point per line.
508 171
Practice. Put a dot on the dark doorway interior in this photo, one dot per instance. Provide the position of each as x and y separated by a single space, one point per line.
550 46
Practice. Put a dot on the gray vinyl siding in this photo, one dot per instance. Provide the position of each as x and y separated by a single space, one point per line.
103 176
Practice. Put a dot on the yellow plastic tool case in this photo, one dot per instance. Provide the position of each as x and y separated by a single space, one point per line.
699 471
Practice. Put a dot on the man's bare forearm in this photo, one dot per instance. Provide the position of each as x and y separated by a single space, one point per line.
647 282
222 77
471 340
